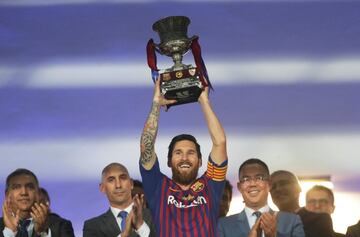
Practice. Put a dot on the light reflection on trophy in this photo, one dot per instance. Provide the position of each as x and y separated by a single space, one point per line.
181 82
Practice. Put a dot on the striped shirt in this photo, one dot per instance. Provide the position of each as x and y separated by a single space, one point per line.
185 213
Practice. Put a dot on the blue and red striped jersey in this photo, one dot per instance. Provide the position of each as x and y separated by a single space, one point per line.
185 213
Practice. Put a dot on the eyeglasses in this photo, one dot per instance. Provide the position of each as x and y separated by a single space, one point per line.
257 179
320 202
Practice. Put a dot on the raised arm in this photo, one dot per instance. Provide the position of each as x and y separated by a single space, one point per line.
218 152
148 136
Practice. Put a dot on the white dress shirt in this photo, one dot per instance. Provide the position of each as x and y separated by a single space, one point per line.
9 233
143 231
252 218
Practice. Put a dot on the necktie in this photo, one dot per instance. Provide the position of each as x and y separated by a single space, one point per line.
123 215
258 214
23 224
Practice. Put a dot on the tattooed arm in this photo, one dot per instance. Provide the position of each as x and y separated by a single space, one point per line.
148 136
218 152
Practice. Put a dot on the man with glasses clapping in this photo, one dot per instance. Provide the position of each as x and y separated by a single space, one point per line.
257 219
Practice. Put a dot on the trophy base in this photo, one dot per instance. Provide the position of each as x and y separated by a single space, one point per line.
184 86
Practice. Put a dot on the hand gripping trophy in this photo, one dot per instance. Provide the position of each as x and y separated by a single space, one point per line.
181 82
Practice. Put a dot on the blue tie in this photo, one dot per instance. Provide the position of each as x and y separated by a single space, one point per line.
258 214
123 215
23 224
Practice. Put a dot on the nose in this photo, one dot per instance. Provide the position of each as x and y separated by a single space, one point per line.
23 191
118 183
184 157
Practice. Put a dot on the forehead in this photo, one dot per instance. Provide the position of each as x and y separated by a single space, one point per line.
281 177
252 169
115 171
317 194
185 144
22 179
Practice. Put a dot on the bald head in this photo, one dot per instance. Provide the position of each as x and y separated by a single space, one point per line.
285 190
111 166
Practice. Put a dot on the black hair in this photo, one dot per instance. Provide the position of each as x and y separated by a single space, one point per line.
45 193
137 183
228 187
182 137
19 172
252 161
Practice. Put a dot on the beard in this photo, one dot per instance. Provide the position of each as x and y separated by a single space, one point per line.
184 178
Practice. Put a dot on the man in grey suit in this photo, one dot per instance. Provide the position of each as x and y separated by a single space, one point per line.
257 219
353 231
126 216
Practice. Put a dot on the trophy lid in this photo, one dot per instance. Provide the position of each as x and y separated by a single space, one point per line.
172 28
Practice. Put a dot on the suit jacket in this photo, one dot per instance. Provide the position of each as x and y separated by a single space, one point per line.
59 227
316 224
288 225
105 225
335 234
353 231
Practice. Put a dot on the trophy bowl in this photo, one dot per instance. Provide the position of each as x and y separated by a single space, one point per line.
180 82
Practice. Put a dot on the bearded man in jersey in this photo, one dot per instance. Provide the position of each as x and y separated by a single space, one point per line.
184 205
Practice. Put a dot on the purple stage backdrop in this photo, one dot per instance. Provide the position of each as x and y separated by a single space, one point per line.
75 91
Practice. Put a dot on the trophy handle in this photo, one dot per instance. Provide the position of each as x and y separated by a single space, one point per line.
157 48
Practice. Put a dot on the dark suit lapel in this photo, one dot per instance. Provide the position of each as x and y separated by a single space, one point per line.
243 222
109 225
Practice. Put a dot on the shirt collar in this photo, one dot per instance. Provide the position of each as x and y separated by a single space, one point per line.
250 211
115 211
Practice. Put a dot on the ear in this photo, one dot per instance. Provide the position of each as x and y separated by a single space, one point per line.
200 162
332 209
238 186
102 188
298 188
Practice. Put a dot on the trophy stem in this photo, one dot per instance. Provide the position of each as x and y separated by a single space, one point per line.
177 58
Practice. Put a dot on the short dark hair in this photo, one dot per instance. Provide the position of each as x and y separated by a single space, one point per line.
252 161
325 189
45 194
228 187
137 183
19 172
182 137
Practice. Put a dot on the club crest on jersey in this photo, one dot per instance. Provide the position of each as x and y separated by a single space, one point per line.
197 186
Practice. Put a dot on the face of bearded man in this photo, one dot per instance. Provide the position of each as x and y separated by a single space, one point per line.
185 162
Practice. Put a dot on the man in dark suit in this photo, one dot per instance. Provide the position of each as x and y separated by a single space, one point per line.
126 216
58 225
353 231
257 219
285 192
320 199
23 214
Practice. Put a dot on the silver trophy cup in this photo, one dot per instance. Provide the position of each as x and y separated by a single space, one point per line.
180 82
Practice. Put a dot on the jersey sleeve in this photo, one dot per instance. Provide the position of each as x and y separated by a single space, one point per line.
151 180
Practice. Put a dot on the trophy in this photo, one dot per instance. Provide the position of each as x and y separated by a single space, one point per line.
183 83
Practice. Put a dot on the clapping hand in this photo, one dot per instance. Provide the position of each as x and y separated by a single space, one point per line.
40 212
11 219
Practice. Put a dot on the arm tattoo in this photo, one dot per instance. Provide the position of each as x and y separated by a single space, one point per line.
148 136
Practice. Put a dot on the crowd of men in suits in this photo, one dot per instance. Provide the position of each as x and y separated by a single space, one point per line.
185 205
